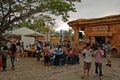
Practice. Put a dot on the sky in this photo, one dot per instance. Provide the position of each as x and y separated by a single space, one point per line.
91 9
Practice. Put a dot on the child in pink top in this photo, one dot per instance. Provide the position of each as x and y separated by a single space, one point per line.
98 61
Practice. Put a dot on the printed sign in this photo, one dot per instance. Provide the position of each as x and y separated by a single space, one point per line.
100 28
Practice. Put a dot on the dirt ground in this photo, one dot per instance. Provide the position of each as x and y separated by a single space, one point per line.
30 69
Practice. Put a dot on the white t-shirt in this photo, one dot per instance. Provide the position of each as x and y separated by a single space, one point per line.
88 55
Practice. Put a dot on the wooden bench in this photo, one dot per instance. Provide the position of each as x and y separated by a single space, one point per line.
24 54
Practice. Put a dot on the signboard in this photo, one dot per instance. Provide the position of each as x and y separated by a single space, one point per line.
100 29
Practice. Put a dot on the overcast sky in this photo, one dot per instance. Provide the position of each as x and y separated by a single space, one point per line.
91 9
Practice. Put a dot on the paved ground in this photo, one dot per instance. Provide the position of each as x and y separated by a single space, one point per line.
30 69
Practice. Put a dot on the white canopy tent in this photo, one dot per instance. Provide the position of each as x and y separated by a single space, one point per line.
35 34
25 35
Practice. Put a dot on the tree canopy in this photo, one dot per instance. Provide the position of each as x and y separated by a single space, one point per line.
42 24
12 11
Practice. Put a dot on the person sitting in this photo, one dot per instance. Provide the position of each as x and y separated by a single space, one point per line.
32 51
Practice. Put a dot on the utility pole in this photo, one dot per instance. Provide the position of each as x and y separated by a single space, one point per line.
61 38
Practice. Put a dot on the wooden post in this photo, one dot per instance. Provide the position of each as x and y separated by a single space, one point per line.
76 38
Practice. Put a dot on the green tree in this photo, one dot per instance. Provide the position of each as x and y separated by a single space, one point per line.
68 34
55 34
12 11
42 24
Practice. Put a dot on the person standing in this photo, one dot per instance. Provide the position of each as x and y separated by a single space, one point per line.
18 45
1 49
70 56
99 53
0 59
4 57
46 55
22 47
38 50
108 53
87 54
76 56
13 54
57 55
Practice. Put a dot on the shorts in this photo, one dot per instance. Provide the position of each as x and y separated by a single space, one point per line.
108 56
87 65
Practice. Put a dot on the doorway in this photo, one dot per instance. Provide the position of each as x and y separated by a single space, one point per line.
100 39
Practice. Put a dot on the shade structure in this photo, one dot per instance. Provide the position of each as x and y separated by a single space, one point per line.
13 36
27 32
35 34
27 35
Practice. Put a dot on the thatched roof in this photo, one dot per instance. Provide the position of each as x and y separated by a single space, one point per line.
96 21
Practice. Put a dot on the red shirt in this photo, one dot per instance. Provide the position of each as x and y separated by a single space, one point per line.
74 52
70 53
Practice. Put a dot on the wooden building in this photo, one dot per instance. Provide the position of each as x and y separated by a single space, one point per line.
99 30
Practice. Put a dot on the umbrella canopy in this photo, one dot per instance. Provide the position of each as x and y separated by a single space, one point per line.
35 34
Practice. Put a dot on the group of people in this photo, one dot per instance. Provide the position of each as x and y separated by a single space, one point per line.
88 52
6 50
61 55
57 55
67 55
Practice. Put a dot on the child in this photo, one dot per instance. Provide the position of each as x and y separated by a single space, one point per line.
99 53
87 53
